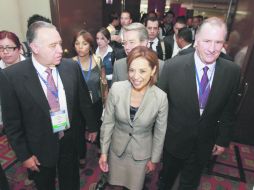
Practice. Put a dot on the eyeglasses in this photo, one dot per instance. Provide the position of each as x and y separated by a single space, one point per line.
8 49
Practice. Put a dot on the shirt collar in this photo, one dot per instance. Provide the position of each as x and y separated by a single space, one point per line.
200 65
109 49
155 41
185 47
39 67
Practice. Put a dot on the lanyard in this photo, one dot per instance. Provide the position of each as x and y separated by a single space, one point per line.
55 93
89 71
199 83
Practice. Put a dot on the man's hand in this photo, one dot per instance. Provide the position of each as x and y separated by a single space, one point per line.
32 163
92 137
103 163
218 150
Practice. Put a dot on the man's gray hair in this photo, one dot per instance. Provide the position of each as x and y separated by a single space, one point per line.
31 33
213 21
140 28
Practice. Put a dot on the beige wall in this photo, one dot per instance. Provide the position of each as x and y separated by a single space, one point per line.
14 14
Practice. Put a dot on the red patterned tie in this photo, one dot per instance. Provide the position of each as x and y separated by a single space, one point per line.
52 99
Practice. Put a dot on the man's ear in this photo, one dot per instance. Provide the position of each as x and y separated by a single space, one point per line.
35 48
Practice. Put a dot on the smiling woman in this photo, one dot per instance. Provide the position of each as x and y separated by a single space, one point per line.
134 124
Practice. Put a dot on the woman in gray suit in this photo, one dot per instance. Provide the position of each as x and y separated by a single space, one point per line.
134 124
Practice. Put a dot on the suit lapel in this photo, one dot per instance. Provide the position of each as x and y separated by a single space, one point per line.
65 76
127 97
33 86
144 102
159 50
190 81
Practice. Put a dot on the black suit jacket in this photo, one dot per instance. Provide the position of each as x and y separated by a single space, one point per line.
168 50
26 110
188 131
186 51
169 41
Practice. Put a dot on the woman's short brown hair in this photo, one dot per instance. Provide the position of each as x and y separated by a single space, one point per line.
147 54
87 37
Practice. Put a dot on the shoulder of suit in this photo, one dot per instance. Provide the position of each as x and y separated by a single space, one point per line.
180 60
228 63
158 91
19 67
120 62
120 85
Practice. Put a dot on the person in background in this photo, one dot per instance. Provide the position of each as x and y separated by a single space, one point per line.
195 24
93 72
158 45
189 21
116 40
43 100
167 25
171 39
134 35
134 124
10 49
202 92
184 41
105 52
10 52
113 23
3 180
25 49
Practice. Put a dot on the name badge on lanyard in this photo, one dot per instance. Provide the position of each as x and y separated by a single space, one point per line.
59 118
59 121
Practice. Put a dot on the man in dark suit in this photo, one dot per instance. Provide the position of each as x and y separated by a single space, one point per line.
184 41
171 39
162 49
202 92
43 100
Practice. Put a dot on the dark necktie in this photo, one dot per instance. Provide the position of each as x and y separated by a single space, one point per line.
151 45
52 99
204 89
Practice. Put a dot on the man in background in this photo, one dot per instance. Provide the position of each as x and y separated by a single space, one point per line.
171 40
162 49
134 35
184 41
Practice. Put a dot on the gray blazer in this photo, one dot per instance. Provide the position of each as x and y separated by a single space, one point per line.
120 71
117 130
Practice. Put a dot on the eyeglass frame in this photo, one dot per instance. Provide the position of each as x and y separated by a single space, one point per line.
8 49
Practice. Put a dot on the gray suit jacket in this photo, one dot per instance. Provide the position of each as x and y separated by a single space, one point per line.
120 72
117 130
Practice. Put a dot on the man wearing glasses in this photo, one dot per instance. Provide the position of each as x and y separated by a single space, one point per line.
134 35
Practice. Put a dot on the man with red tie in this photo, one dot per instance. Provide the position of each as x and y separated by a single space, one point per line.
43 100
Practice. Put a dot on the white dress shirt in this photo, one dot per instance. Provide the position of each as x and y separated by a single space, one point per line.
41 69
176 48
199 72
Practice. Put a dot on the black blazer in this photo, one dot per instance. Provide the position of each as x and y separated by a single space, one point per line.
168 50
186 128
186 51
26 110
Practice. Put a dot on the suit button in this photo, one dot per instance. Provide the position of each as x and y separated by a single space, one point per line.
130 134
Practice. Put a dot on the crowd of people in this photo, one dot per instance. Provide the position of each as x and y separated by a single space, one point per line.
150 92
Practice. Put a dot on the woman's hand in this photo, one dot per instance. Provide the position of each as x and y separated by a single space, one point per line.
103 163
150 166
